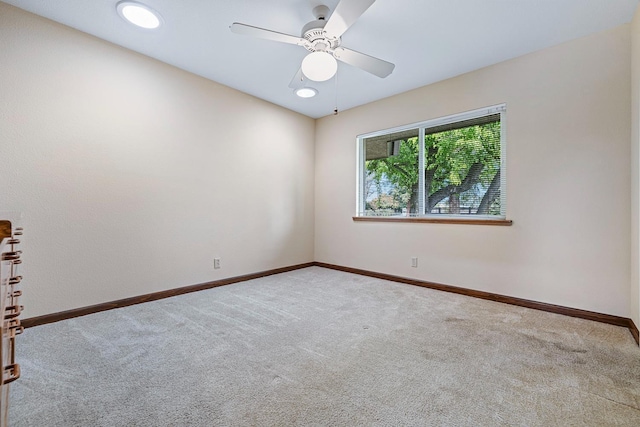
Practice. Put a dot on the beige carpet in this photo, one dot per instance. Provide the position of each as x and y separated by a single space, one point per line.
318 347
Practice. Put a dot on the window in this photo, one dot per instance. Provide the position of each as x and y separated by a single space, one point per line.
448 167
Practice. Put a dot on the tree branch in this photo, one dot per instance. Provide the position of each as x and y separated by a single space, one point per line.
493 192
473 176
401 170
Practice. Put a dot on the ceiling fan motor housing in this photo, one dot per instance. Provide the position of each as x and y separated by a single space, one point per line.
313 32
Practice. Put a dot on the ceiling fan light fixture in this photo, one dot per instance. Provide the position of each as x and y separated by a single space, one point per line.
319 66
306 92
139 14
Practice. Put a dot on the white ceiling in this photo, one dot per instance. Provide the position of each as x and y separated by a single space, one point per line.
428 40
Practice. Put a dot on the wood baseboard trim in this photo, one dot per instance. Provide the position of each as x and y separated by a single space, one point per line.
634 331
551 308
83 311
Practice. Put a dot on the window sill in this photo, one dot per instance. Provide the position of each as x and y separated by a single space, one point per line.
503 222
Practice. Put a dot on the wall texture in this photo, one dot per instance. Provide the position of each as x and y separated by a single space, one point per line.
132 175
635 169
568 133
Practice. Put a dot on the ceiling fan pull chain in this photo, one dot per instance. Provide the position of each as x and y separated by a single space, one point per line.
335 111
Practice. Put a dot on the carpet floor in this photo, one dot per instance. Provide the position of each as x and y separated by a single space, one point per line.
318 347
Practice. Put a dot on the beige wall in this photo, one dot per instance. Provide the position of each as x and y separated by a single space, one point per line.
568 133
635 166
132 175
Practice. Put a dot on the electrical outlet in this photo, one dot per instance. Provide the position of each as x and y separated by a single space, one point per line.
216 263
414 262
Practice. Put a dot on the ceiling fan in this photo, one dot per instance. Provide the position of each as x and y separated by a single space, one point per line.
322 38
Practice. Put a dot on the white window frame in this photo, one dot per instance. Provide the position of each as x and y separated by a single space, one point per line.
421 126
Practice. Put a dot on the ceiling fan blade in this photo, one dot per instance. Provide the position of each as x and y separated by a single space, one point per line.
249 30
372 65
297 81
346 13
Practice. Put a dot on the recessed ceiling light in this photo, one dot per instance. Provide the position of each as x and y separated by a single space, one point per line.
139 14
306 92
